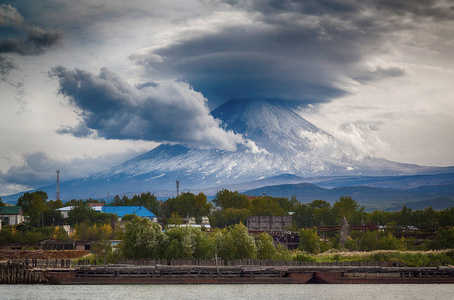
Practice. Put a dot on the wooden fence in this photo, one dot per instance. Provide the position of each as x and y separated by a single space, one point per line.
263 262
19 272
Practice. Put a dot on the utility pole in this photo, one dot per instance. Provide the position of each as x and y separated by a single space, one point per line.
57 196
178 188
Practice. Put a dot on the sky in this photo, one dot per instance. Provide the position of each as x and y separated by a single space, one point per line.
88 84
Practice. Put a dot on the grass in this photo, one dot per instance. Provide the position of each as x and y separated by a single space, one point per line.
409 258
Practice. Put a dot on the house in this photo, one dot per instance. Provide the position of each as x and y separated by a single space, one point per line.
11 215
121 211
65 210
96 206
190 222
55 244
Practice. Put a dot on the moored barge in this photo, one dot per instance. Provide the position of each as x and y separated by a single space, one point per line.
163 274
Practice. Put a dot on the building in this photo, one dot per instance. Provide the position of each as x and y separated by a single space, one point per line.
190 222
64 210
269 223
121 211
11 215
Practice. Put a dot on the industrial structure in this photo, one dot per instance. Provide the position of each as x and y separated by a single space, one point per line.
57 195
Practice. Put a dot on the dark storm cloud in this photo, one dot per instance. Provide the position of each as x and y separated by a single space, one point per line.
37 42
141 86
110 108
433 9
304 51
13 26
381 73
36 170
437 9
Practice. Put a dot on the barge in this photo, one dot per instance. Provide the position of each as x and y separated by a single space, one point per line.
164 274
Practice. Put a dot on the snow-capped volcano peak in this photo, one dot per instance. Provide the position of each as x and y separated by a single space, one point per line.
290 143
271 125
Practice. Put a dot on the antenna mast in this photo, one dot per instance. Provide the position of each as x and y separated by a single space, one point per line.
57 196
178 188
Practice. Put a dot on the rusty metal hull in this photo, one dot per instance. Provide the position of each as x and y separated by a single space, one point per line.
70 278
248 275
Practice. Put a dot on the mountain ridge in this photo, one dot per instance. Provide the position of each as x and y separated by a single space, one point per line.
284 136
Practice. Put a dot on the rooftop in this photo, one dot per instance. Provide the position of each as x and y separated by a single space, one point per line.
10 210
121 211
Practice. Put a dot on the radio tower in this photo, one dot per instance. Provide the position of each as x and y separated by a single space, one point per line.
57 196
178 188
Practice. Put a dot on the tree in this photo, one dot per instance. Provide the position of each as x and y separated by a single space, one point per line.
188 243
60 234
304 216
189 205
175 219
265 246
234 243
286 204
223 244
444 239
266 206
322 213
227 199
405 216
82 213
243 242
229 216
309 240
33 204
148 200
143 239
348 208
1 202
52 217
91 231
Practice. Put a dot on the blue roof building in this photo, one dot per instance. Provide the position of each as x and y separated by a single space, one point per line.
121 211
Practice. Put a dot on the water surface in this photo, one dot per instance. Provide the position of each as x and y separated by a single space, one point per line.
230 291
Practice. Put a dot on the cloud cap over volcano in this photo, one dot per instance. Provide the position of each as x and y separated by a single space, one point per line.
304 51
166 112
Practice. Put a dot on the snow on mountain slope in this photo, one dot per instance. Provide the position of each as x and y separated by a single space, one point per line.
273 127
288 145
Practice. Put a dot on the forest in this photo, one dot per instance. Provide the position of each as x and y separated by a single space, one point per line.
229 239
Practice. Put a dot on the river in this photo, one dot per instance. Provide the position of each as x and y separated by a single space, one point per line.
230 291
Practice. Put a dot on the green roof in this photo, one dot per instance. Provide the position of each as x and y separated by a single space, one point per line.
10 210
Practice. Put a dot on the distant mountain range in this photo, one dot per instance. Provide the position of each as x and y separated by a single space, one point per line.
439 195
288 153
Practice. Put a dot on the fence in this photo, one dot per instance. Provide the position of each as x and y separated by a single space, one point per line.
20 272
28 263
263 262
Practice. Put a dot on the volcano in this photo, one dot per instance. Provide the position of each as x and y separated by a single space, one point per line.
285 143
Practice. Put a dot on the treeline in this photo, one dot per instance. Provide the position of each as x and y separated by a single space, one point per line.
320 212
145 239
233 207
228 208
